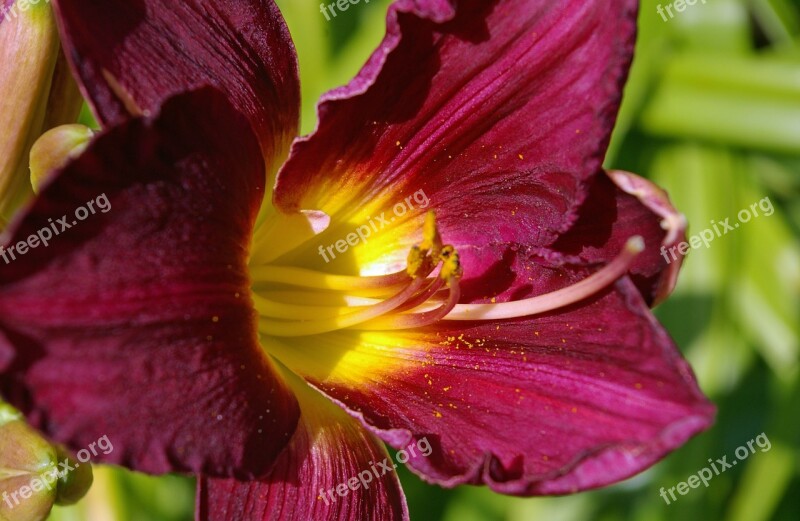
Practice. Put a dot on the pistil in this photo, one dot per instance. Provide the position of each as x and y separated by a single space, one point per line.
557 299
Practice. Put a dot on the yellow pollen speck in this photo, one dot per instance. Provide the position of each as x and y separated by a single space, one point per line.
545 458
574 409
236 294
638 385
447 388
494 299
495 156
215 319
521 156
398 143
563 341
437 414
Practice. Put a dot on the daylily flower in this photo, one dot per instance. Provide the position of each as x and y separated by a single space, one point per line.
505 322
38 93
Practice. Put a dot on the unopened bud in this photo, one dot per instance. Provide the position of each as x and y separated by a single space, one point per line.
38 93
55 149
26 459
74 481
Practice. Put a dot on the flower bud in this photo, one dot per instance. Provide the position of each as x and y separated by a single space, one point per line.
75 483
55 148
26 460
38 93
34 474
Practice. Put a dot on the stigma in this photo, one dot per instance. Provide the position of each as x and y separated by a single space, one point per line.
293 302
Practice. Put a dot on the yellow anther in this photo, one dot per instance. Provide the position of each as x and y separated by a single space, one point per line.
423 258
417 259
431 240
451 264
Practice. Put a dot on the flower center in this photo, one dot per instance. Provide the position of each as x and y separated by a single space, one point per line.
426 292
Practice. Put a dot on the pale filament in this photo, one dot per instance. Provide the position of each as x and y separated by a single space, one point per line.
424 294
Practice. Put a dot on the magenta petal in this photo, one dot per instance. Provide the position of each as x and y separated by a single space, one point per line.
510 102
148 50
136 323
547 405
329 450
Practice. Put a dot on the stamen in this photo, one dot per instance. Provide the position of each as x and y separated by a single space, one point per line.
431 239
415 320
424 296
451 272
315 327
557 299
427 254
412 287
318 280
405 299
320 298
123 95
275 309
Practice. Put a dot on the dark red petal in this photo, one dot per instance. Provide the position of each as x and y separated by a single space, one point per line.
329 449
136 323
618 207
545 405
490 108
152 49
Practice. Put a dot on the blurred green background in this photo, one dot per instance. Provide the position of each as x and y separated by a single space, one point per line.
711 113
